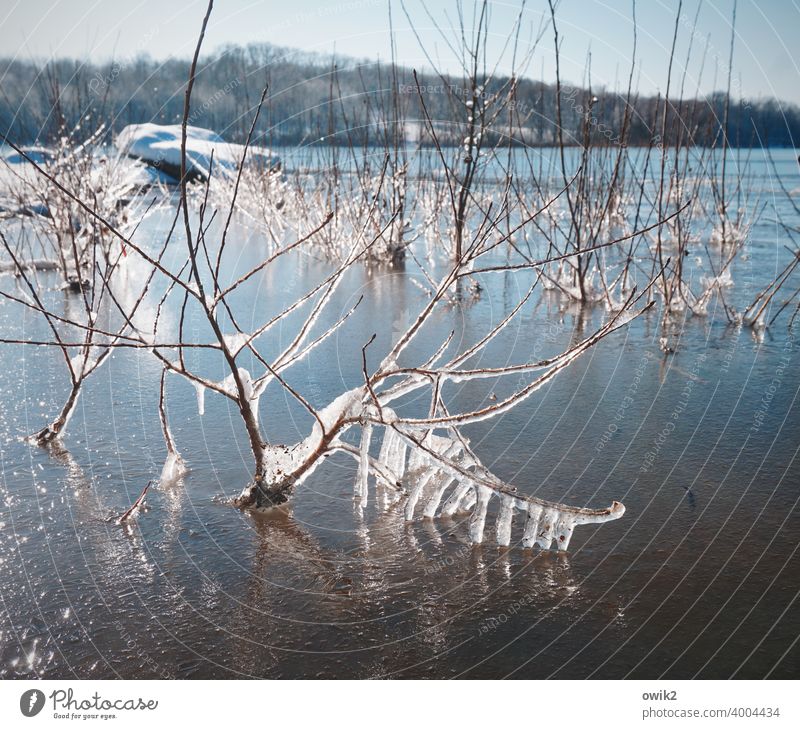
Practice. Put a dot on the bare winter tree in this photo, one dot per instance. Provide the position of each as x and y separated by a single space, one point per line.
103 290
424 458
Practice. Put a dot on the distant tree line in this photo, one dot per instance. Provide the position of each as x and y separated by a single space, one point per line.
314 98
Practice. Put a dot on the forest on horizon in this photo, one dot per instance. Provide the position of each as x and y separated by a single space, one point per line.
312 97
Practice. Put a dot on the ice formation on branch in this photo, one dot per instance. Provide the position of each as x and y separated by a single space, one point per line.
445 470
174 465
426 460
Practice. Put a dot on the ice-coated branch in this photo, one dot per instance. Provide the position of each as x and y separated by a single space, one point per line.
429 468
174 465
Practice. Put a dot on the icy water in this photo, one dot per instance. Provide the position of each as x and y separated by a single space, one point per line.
699 578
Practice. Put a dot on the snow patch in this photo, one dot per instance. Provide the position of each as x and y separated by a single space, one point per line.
160 146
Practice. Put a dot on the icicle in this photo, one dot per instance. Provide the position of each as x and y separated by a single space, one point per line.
417 488
563 531
443 481
419 458
386 444
453 504
362 477
531 526
504 520
397 462
200 389
469 500
478 520
546 529
393 452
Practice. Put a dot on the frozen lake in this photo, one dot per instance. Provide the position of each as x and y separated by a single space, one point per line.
699 578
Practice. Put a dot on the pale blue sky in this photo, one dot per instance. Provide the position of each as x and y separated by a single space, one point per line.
767 32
